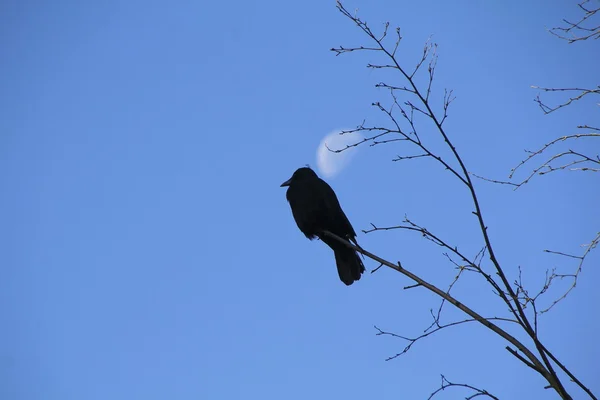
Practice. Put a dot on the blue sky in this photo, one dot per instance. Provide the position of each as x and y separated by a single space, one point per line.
148 250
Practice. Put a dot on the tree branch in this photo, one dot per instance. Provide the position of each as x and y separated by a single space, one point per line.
447 384
485 322
580 30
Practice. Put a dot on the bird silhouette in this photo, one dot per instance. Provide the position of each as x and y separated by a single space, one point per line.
316 209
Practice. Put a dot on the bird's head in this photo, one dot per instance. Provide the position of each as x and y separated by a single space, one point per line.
300 174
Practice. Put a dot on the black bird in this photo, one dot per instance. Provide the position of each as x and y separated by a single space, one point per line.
316 209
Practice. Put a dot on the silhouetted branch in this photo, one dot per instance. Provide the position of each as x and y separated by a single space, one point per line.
468 264
402 116
574 276
407 108
585 162
460 172
547 166
580 93
583 29
531 360
475 316
439 327
447 384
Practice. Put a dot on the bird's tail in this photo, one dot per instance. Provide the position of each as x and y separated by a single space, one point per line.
349 264
347 260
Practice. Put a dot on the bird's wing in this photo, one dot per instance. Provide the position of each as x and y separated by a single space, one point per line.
304 208
337 221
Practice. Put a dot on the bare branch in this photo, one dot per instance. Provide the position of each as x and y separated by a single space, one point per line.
475 316
426 110
400 158
469 265
574 276
463 176
580 94
522 359
483 178
548 166
418 106
447 384
590 163
582 29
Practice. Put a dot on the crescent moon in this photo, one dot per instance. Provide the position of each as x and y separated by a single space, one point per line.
330 163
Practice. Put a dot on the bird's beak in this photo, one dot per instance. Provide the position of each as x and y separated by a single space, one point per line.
286 183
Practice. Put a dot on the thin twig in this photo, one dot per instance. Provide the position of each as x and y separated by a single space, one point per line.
488 324
447 384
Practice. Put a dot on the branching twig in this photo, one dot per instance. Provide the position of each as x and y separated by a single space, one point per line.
475 316
447 384
546 164
403 126
429 332
574 276
469 265
579 94
592 163
580 30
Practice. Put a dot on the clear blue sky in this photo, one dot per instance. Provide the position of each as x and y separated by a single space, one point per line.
148 251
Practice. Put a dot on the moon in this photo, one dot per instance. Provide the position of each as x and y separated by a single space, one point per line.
330 163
